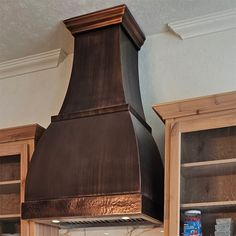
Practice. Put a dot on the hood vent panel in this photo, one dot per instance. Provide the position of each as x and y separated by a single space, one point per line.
98 158
104 223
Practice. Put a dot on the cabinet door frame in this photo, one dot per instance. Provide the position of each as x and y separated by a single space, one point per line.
174 131
22 150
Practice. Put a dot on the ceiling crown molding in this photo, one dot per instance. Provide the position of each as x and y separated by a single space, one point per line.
211 23
33 63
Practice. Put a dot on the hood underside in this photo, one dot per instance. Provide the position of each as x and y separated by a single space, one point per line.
97 163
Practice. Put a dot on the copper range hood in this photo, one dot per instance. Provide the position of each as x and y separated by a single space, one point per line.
97 163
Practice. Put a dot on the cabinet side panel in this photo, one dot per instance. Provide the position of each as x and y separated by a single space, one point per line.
167 179
174 221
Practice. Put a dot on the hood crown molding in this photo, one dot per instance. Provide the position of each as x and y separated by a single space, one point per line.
211 23
111 16
32 63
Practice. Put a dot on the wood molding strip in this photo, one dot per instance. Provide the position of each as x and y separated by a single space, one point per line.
196 106
33 131
101 111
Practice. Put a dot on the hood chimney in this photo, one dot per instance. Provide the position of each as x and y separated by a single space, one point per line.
97 162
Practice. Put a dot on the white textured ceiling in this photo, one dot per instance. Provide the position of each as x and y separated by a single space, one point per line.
33 26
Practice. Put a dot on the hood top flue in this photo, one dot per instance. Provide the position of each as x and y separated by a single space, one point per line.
97 162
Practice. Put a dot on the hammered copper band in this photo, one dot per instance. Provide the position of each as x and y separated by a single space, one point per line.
83 206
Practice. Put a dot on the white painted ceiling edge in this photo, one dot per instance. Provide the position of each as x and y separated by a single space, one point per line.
211 23
33 63
188 28
30 27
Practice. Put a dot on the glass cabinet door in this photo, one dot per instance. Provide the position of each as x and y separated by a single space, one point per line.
13 164
208 179
10 194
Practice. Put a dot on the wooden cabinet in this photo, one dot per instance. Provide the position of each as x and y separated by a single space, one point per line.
200 160
16 148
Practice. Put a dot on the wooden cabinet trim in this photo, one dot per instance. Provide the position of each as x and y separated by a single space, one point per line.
196 106
26 132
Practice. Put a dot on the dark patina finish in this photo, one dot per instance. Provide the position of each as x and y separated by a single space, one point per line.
98 158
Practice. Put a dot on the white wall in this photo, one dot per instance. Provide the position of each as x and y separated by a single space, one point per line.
34 97
170 69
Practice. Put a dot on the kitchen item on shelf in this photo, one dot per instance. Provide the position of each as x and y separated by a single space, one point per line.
192 223
226 221
224 227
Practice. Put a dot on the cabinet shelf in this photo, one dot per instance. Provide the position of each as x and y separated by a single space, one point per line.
210 206
10 182
10 216
209 168
8 187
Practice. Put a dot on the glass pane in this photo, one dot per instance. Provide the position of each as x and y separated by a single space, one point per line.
215 144
208 178
10 168
9 186
10 227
